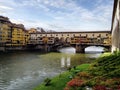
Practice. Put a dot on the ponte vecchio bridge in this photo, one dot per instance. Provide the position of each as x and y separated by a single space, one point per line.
80 40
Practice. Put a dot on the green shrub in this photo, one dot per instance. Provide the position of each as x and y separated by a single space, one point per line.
47 81
107 66
91 83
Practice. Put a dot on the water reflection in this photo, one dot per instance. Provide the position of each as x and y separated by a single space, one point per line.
62 62
68 50
65 62
68 61
94 49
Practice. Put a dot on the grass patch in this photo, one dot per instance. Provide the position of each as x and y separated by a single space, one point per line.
57 83
106 54
83 67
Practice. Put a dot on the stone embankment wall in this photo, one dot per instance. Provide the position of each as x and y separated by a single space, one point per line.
115 28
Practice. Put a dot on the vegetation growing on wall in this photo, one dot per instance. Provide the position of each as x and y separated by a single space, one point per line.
103 74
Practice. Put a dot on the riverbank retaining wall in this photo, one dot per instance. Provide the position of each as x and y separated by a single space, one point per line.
115 28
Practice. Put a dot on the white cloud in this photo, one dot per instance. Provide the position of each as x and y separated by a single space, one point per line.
5 7
32 23
59 18
8 3
4 10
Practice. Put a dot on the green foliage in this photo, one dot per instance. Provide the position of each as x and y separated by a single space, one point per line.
107 66
103 73
83 67
57 83
90 83
47 81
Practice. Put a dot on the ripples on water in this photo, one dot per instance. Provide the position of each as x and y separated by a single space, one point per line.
26 70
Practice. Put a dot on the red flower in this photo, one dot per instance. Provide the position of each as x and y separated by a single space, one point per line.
99 87
118 88
75 82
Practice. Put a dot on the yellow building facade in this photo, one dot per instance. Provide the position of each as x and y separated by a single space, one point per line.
5 31
18 35
32 30
26 36
12 35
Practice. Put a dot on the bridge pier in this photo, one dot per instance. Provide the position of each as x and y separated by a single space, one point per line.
3 49
80 49
108 49
47 48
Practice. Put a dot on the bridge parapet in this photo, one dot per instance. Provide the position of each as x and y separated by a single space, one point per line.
72 38
97 39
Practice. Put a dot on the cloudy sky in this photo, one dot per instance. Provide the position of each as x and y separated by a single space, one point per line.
60 15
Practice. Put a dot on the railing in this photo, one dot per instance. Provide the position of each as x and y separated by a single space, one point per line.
78 40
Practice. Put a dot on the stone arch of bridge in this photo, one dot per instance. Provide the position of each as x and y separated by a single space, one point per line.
81 48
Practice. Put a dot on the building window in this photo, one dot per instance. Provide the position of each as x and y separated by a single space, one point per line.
67 34
51 35
106 34
92 34
56 34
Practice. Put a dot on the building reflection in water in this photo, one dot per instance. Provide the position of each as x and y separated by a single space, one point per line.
68 61
66 58
65 62
62 62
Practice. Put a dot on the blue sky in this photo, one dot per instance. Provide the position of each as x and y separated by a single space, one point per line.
60 15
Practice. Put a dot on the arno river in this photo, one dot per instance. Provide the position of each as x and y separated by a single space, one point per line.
25 70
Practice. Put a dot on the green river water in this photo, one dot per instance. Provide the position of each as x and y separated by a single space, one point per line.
24 70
